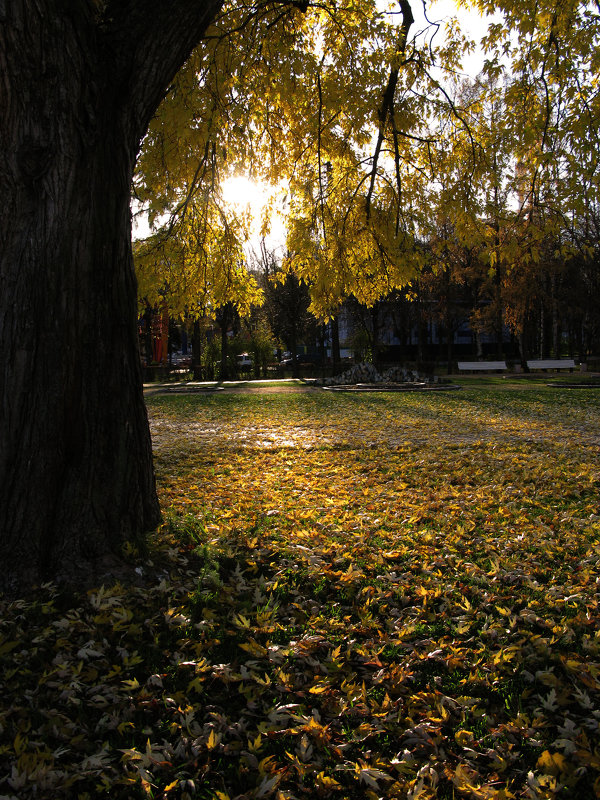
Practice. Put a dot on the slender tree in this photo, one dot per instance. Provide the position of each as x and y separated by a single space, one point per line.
286 304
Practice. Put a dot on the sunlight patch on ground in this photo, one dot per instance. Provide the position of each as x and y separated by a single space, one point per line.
394 423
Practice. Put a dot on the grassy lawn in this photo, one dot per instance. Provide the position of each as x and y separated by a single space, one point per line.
353 596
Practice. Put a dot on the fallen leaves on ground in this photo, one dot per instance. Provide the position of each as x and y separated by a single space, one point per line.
388 596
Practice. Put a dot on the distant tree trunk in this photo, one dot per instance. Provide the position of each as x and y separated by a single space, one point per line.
164 334
375 335
294 352
335 344
448 326
421 326
148 334
556 329
224 319
478 344
197 351
448 323
449 350
499 308
77 93
542 331
579 340
323 349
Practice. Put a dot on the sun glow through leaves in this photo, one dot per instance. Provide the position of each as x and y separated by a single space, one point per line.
262 204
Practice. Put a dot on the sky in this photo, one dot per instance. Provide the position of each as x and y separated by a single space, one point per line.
472 24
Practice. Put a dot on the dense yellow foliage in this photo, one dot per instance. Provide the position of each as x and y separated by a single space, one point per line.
365 116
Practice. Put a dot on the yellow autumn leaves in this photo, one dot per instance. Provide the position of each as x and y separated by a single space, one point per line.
425 560
396 597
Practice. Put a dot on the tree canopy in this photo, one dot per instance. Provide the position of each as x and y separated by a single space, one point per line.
368 119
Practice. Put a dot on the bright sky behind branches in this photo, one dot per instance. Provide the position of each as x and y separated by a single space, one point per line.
242 192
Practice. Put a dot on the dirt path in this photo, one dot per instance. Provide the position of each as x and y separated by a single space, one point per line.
240 387
290 386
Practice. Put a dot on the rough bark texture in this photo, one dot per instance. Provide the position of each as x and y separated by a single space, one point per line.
77 91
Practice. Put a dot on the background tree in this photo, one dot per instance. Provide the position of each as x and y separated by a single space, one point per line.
197 265
287 301
554 112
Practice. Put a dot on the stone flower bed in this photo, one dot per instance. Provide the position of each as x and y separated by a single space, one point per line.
361 374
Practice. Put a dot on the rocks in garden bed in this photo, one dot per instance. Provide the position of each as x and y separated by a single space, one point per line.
359 373
367 374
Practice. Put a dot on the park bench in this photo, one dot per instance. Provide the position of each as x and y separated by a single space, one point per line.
551 363
481 366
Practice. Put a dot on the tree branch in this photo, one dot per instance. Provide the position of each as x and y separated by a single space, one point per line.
387 103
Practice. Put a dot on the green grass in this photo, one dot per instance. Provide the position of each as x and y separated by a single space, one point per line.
352 596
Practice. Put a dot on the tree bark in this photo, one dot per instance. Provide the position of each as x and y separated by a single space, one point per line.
77 91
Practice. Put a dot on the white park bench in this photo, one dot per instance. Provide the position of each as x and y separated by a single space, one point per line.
551 363
481 366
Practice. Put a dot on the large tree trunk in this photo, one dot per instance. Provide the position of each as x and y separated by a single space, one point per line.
76 96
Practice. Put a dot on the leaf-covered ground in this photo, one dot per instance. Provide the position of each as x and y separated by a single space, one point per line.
353 596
